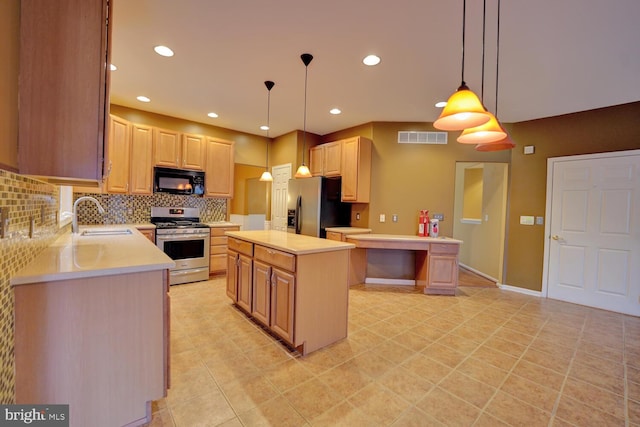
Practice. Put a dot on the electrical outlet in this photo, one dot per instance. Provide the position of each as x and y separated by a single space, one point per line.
438 216
383 218
539 220
394 217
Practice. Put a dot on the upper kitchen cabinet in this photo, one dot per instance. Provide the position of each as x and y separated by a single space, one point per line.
326 159
356 170
166 148
63 88
219 161
119 155
175 150
141 166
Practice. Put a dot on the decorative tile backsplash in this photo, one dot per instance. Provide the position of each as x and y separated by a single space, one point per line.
133 209
27 199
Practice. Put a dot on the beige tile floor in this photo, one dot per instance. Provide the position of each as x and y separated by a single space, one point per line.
483 358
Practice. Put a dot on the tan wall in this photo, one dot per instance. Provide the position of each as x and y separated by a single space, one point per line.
249 149
608 129
247 200
9 50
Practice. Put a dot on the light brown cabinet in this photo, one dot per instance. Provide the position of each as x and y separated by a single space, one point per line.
166 148
219 168
149 233
273 290
326 159
239 273
218 249
63 78
141 165
119 155
356 166
193 149
443 269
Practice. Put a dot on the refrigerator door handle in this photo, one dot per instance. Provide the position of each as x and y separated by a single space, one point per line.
298 214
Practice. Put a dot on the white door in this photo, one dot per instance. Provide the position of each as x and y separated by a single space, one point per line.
593 246
281 175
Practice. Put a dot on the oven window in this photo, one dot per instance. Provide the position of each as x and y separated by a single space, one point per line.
184 249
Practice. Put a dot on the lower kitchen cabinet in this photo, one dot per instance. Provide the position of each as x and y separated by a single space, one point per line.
239 274
148 233
218 249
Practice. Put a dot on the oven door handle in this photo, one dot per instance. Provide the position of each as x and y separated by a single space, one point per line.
185 272
173 237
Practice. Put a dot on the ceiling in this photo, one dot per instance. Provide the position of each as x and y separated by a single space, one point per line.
555 57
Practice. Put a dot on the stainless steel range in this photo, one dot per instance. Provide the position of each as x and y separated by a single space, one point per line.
181 235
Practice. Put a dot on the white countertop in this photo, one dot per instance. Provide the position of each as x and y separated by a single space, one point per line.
348 230
296 244
73 256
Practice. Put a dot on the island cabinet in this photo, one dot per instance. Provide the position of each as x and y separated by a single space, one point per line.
326 159
356 167
293 293
239 273
63 96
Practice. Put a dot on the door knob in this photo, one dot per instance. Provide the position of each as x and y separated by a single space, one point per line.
555 237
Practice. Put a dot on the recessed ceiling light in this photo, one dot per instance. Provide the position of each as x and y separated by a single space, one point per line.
112 67
264 127
335 111
163 50
371 60
441 104
212 115
143 99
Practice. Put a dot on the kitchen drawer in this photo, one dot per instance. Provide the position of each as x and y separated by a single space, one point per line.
276 258
443 248
218 263
240 246
217 250
218 240
332 235
219 231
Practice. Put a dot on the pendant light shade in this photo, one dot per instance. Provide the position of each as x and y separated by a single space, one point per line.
503 144
303 171
491 131
463 110
266 175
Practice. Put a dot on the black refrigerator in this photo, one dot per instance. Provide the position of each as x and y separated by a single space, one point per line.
313 204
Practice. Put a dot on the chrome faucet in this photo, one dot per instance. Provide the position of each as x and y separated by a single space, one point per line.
74 224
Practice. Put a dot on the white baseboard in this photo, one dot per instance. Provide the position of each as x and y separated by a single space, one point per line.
520 290
383 281
479 273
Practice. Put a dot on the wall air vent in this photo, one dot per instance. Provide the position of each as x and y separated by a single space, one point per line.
413 137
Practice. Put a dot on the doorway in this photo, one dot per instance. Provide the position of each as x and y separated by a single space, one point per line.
592 249
480 216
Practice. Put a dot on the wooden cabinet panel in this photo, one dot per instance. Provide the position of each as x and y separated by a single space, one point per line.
219 163
218 249
141 165
63 78
241 246
261 310
333 159
316 160
332 235
245 282
232 275
149 234
442 274
119 150
282 303
356 166
275 257
166 148
193 147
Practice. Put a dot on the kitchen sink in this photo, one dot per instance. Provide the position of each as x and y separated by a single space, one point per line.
106 232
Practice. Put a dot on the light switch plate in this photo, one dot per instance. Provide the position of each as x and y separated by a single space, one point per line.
529 149
383 218
394 217
526 220
539 220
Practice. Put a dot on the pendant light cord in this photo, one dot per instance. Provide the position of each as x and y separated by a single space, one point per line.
304 121
497 55
484 24
464 25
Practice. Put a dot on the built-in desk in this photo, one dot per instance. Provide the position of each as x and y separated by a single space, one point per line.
436 259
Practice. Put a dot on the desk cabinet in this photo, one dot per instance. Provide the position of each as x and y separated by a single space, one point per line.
442 276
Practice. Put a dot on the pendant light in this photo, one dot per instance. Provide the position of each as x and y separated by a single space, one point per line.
266 175
463 109
504 143
491 131
303 170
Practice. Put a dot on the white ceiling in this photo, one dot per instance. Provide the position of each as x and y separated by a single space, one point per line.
556 57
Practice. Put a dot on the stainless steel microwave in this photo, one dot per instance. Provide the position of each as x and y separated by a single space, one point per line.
178 181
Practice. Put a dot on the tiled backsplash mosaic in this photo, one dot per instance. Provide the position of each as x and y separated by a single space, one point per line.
25 198
133 209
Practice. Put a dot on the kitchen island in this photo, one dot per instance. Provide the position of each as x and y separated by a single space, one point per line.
92 326
436 259
294 285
